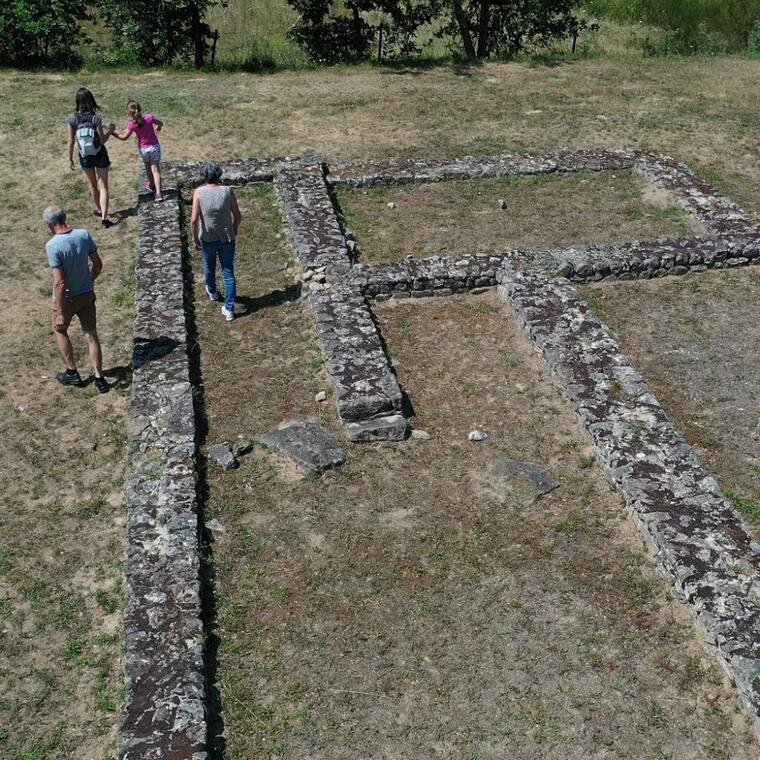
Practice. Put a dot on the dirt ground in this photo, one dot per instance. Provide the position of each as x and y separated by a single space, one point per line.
545 211
696 342
62 465
398 607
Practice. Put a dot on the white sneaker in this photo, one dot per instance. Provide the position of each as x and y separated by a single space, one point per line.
228 315
213 295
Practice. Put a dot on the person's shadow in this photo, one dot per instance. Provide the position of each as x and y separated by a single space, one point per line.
279 297
118 377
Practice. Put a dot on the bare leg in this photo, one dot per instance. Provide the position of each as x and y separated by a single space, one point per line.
156 172
96 353
92 181
149 175
103 192
66 349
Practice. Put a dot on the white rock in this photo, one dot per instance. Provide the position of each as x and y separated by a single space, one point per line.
477 435
503 205
321 396
391 205
307 275
421 435
215 526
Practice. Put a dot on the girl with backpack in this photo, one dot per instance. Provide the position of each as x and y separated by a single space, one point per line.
87 133
145 128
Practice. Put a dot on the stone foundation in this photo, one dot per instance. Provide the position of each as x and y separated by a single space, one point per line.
165 700
690 527
697 538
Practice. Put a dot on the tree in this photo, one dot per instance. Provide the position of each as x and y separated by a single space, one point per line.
157 33
34 32
334 31
506 27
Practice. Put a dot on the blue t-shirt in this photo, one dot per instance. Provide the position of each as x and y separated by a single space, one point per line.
71 252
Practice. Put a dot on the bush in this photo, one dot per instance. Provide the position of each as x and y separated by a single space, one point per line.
692 26
41 32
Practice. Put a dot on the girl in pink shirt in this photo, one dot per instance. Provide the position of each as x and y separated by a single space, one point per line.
145 128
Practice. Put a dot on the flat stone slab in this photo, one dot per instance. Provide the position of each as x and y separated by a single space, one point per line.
522 481
307 444
394 427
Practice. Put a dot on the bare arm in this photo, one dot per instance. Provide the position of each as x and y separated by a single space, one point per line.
59 288
103 134
195 218
97 264
157 124
236 215
72 140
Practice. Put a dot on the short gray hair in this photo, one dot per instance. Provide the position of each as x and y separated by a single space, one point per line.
211 171
54 215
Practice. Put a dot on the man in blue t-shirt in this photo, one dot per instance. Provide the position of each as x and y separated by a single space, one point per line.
70 253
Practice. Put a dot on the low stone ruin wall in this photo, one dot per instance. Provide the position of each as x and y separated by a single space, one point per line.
188 173
165 699
690 527
699 541
476 167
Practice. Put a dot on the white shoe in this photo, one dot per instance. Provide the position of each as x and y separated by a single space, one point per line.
228 315
213 295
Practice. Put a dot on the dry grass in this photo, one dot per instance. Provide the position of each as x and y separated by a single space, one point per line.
388 610
62 504
696 341
546 211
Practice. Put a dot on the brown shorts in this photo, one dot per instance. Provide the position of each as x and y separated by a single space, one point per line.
82 306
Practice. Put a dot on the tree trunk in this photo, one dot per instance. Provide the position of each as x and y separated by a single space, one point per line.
464 29
358 40
199 43
483 28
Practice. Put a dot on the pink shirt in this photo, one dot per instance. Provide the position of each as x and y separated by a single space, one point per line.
146 135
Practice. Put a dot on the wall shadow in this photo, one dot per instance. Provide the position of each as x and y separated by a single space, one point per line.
214 707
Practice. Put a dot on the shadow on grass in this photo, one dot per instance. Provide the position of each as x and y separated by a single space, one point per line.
278 297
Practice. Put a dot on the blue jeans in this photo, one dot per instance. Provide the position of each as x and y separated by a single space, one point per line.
226 254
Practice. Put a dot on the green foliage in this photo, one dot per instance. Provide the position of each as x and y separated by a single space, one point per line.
41 32
334 30
157 34
691 26
484 28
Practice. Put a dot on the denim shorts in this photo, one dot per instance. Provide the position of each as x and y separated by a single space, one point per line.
151 154
99 161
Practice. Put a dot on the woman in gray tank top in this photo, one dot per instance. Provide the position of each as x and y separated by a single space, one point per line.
215 221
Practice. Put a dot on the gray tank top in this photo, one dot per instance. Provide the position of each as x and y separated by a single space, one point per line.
216 214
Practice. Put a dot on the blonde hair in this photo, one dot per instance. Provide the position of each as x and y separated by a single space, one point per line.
134 111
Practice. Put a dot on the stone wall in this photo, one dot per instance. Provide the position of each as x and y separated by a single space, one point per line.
693 193
164 710
692 530
476 167
188 173
365 386
699 541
